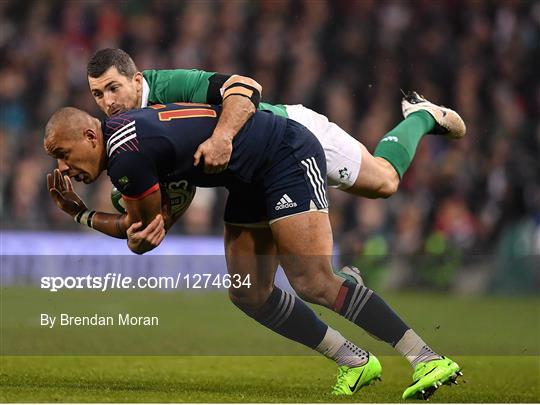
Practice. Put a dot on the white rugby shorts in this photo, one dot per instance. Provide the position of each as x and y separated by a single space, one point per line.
343 152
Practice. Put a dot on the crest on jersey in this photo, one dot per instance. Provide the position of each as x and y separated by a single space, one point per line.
123 181
344 174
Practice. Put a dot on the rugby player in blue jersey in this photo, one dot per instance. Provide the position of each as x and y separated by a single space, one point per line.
117 85
276 177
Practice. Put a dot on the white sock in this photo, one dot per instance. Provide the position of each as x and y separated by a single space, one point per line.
345 353
415 349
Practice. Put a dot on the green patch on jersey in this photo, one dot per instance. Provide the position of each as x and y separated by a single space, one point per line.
278 109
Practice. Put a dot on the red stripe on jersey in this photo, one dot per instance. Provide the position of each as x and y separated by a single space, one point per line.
155 187
193 104
116 123
157 106
186 113
133 146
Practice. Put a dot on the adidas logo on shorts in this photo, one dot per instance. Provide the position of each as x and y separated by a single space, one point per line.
285 202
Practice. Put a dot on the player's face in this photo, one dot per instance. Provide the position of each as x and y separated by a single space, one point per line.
115 93
77 157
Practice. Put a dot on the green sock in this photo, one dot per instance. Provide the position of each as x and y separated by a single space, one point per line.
399 145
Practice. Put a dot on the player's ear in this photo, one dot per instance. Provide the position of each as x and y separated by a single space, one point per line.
91 136
138 79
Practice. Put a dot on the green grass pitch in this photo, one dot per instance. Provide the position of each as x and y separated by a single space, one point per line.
207 351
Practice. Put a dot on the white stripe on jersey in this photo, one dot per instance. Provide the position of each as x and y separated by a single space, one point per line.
313 185
121 142
319 180
129 128
316 182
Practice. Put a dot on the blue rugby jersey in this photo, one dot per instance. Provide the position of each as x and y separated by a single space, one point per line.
156 144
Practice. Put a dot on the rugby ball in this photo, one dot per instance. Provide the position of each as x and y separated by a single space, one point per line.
176 195
180 195
117 201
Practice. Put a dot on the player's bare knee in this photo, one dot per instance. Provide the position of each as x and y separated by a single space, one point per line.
243 301
310 290
389 179
389 186
248 301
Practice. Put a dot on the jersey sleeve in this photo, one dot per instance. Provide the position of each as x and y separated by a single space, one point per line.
182 85
133 174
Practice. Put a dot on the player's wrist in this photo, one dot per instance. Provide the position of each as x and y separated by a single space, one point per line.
85 217
224 135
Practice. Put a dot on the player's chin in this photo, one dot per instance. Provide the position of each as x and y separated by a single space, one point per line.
117 111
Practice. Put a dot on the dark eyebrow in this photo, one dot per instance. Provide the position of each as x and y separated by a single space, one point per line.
110 84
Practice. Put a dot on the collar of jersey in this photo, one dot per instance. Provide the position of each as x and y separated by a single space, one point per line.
145 93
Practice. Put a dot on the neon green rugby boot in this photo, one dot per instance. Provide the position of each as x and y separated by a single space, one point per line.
351 379
429 376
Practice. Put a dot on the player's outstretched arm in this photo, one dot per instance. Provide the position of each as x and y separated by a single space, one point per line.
241 96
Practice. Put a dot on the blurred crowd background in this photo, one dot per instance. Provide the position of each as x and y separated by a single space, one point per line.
467 215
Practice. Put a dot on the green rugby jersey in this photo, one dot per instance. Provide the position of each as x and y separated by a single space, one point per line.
188 86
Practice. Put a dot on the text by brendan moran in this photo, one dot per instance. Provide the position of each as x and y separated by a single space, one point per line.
126 319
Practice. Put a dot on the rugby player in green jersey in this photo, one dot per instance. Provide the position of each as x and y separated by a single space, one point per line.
118 86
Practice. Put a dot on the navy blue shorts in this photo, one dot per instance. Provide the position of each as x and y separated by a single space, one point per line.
294 182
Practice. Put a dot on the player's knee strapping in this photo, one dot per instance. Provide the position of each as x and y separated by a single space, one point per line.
366 309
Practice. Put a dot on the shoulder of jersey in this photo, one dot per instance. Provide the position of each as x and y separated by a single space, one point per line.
121 135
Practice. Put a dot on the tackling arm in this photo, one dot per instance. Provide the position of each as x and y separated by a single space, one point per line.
240 97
